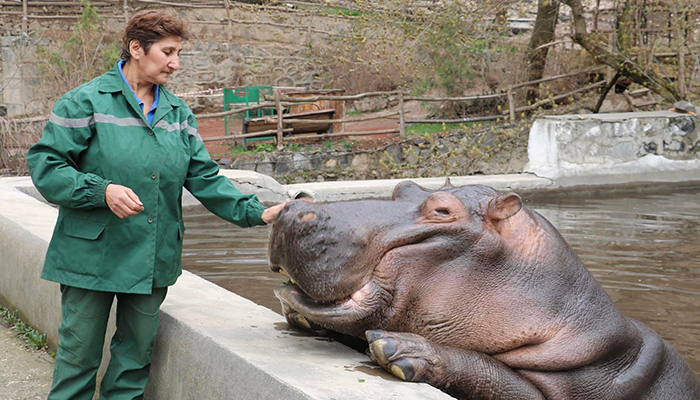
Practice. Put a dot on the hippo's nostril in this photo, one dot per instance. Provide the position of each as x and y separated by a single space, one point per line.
308 216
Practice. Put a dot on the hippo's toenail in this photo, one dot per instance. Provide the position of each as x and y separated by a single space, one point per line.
396 370
373 335
378 351
403 369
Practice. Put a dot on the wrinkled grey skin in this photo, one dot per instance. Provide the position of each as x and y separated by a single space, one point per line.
468 290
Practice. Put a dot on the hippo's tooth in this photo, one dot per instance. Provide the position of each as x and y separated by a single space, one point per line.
302 321
283 272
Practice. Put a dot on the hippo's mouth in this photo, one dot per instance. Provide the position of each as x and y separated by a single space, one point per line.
333 314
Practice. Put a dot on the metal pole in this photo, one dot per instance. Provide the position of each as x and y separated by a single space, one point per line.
24 16
280 110
511 106
402 118
228 16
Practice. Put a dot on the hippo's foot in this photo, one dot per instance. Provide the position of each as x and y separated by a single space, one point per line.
408 356
461 373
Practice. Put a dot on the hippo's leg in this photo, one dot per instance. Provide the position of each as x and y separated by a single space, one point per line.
460 373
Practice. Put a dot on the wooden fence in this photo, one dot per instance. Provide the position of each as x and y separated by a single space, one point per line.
66 9
284 134
280 104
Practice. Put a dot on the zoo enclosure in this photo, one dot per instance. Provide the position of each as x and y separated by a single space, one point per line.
281 103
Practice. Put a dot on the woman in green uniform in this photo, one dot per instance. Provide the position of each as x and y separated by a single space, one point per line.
114 157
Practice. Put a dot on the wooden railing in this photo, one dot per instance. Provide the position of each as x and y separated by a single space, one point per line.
280 104
35 10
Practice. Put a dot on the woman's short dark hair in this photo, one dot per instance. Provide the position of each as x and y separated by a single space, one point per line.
150 26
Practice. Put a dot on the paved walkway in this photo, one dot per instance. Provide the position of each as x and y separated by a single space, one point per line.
24 374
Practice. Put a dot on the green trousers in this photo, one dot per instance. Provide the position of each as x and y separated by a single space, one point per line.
81 339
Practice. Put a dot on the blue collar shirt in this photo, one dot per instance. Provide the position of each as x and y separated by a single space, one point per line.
152 110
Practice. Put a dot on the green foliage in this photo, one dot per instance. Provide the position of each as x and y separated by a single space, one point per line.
422 129
32 338
10 318
264 147
35 339
328 144
402 43
235 149
347 145
452 54
84 55
343 11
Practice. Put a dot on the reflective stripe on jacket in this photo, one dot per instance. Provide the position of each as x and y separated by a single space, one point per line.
97 135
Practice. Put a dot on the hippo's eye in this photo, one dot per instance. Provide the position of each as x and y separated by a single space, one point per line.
442 208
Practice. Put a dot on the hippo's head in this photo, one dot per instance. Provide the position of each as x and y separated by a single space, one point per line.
433 263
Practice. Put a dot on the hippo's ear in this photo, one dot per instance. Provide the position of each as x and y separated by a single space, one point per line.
410 190
504 206
448 184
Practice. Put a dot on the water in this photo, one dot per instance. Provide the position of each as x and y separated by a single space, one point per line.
231 257
643 248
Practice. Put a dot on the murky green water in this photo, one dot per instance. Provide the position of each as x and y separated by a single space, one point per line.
643 248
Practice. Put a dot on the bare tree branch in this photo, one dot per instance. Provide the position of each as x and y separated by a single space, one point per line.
618 61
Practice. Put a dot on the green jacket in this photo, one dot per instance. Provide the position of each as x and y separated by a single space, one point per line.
98 135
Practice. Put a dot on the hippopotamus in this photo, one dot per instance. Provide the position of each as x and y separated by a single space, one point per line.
470 291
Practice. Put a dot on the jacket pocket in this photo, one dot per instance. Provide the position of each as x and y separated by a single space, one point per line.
82 229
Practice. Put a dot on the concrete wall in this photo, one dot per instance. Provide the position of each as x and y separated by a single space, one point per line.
613 148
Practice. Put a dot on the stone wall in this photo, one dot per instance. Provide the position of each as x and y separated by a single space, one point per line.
414 157
22 93
216 64
271 51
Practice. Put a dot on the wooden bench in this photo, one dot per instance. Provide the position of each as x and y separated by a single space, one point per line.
252 125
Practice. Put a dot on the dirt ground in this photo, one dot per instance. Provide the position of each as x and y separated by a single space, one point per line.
24 374
214 127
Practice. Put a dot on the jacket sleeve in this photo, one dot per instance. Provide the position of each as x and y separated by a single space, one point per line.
215 191
54 160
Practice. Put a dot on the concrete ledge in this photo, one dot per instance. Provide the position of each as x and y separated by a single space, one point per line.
214 344
382 189
26 225
604 149
211 343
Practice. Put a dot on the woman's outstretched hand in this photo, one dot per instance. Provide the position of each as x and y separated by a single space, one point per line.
122 201
269 216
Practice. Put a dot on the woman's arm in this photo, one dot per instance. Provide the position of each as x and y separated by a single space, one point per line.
216 192
53 160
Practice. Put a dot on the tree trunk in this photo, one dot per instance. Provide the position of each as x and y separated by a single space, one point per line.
542 33
618 61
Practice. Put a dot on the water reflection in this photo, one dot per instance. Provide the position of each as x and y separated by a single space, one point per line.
232 257
642 248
